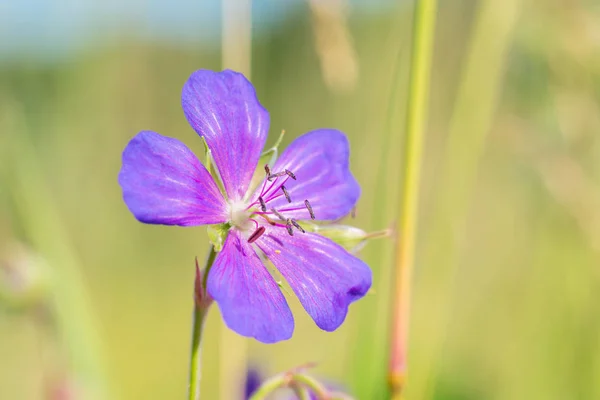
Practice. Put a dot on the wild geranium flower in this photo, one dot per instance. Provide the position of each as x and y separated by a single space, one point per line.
164 183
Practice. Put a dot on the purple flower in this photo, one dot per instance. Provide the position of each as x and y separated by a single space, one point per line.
164 183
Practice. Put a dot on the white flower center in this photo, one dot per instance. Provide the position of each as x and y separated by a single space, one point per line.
239 217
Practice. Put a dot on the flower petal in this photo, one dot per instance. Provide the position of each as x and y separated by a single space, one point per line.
249 298
222 107
320 162
324 276
164 183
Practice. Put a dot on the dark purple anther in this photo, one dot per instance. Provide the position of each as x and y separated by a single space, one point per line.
310 210
277 175
287 195
288 226
263 206
257 233
267 170
278 214
290 174
297 225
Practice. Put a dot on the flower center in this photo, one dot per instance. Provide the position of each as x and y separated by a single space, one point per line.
239 216
273 188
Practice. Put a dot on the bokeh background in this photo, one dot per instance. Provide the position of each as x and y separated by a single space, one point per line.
507 283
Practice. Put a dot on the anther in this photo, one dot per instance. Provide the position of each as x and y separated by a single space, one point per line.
290 174
276 175
288 226
263 206
278 214
287 195
257 233
309 208
267 169
297 225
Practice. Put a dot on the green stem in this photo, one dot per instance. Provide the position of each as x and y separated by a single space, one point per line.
319 390
270 385
422 52
294 380
479 87
301 392
200 312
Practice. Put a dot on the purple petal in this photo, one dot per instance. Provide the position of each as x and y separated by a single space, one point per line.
249 298
223 108
319 160
324 276
164 183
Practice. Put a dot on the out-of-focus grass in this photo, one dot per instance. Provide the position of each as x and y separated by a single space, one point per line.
524 301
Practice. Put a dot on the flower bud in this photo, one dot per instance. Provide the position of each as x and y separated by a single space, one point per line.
201 297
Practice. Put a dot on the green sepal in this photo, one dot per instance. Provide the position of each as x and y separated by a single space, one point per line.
349 237
217 235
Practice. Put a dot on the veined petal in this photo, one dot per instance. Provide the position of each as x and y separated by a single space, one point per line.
249 298
324 276
164 183
223 108
320 162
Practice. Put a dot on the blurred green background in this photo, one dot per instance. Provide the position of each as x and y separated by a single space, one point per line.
507 282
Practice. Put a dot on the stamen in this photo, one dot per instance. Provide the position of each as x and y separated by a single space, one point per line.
263 206
278 214
267 170
277 175
274 194
266 218
287 195
297 225
290 174
257 233
288 225
310 210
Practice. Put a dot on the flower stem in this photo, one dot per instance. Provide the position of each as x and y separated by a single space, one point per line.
294 380
301 392
422 51
269 386
478 90
200 311
314 385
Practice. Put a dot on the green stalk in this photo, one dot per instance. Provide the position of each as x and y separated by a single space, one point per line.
422 54
269 386
477 94
201 307
367 369
294 380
